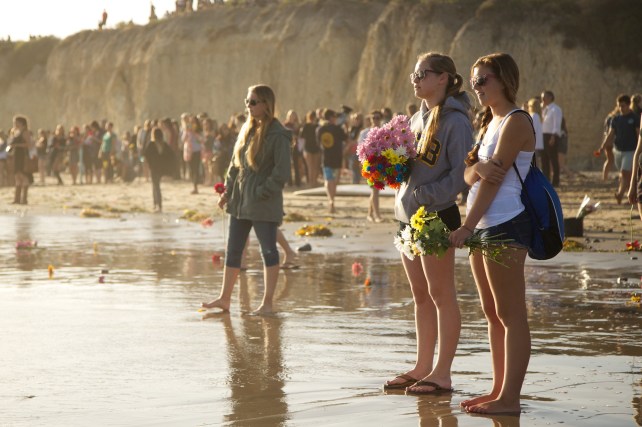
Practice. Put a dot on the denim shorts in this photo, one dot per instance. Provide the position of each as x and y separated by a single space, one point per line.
517 229
331 174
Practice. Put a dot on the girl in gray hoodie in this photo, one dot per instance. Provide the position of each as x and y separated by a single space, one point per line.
444 137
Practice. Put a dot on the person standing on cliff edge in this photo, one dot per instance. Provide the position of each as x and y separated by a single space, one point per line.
253 195
103 20
444 136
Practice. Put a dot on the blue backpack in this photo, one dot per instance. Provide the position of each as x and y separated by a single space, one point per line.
544 207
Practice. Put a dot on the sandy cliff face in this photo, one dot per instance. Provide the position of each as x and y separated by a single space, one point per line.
313 53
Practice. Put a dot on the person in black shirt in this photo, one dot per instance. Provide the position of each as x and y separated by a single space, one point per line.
330 138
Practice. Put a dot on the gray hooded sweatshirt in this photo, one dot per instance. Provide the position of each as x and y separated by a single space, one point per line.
437 177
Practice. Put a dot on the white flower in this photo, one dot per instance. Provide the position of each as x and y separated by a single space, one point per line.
404 245
406 233
420 247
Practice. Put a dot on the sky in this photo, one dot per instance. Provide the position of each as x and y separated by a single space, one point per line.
61 18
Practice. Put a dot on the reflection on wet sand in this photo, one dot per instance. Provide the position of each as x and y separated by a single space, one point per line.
321 359
256 374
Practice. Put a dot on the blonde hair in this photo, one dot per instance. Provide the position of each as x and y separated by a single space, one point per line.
441 64
254 131
534 106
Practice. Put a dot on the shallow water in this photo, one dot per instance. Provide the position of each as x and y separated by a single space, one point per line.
134 350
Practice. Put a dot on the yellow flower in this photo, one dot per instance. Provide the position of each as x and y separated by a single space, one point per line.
391 156
418 220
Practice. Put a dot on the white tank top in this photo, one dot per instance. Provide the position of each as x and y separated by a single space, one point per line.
507 203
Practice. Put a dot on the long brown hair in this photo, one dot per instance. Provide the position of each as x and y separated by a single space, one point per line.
442 64
257 129
506 71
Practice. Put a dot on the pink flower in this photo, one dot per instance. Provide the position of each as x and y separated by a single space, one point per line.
207 222
357 269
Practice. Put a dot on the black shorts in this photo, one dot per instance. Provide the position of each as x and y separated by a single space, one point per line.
450 216
517 229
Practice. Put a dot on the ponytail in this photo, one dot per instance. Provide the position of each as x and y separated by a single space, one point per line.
473 156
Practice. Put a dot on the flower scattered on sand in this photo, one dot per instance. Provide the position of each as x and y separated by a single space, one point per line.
633 246
586 207
26 244
207 222
193 215
314 230
357 269
597 153
367 282
50 270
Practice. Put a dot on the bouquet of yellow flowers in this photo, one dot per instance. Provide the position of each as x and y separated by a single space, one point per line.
428 235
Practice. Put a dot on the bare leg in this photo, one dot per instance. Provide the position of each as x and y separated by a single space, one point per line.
270 277
495 331
223 301
331 191
425 320
440 277
289 253
623 187
608 163
508 288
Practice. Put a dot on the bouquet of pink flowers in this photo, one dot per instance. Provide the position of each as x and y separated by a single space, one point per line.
385 152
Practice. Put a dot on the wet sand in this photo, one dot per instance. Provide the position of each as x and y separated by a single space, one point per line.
135 350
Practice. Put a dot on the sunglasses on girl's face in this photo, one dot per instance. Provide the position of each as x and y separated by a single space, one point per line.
421 74
251 102
480 80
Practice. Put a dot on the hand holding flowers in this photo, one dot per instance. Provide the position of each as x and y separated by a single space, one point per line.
428 235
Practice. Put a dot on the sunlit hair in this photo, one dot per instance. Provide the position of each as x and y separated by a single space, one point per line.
254 131
534 106
506 72
442 64
311 116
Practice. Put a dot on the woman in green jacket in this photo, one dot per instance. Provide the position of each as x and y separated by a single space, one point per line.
253 194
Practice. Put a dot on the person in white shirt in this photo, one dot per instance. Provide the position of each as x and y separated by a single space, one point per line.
552 130
536 113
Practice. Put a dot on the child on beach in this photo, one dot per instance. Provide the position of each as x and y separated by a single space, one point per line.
445 135
494 208
259 169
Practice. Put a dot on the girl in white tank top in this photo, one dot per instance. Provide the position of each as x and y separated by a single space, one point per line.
507 203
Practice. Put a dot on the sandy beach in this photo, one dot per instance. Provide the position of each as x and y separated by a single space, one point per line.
115 336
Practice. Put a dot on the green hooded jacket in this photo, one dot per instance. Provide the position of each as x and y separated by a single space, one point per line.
257 195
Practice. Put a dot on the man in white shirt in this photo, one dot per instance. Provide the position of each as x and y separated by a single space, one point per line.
552 130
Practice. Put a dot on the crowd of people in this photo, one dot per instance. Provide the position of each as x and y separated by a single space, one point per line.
257 155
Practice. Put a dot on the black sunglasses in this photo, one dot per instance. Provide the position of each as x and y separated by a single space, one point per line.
480 80
252 102
421 74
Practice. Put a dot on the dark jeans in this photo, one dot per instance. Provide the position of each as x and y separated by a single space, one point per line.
265 232
550 160
156 191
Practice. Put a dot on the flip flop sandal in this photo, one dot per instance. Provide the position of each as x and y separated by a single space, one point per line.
437 389
397 386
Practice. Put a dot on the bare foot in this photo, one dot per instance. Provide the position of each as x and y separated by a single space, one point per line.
263 310
496 407
477 400
217 303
